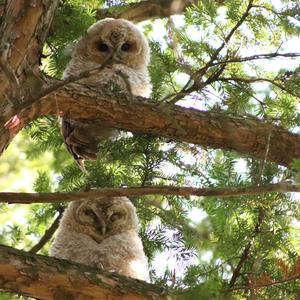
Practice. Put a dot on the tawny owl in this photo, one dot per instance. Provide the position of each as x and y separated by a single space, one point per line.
102 233
129 52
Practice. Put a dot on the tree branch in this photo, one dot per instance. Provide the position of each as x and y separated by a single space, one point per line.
50 278
195 82
257 79
266 285
246 251
256 57
28 198
145 10
216 130
226 40
48 234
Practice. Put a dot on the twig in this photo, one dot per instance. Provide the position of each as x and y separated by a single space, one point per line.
48 233
180 224
226 40
265 285
58 85
263 163
74 78
256 57
261 215
196 77
258 79
27 198
127 83
245 254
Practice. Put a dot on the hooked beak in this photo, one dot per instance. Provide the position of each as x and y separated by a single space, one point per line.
100 218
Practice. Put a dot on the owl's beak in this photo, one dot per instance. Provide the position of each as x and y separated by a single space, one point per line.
101 219
116 56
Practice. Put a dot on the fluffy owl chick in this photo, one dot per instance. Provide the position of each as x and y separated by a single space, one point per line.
128 50
102 233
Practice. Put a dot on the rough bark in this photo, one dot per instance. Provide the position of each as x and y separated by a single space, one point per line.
28 198
145 10
50 278
23 30
248 136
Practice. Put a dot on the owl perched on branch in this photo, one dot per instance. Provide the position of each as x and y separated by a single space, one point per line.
102 233
128 52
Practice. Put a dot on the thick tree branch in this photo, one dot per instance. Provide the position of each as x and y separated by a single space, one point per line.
145 10
28 198
247 136
50 278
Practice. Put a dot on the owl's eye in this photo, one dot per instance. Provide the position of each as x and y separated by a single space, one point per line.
102 47
89 213
125 47
115 217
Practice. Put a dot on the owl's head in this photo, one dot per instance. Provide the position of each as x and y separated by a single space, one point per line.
101 218
117 38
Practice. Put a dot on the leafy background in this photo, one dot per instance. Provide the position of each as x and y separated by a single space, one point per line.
203 240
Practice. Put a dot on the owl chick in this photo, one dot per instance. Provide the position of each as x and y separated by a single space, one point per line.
127 49
102 233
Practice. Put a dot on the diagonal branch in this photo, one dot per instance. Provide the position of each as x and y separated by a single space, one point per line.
266 285
28 198
195 83
246 251
73 78
203 70
149 9
48 234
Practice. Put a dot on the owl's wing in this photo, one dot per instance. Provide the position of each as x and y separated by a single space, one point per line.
82 139
80 145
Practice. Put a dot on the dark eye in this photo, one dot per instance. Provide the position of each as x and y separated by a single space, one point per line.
89 213
115 217
102 47
125 47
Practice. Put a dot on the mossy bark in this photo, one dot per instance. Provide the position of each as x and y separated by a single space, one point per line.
44 277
